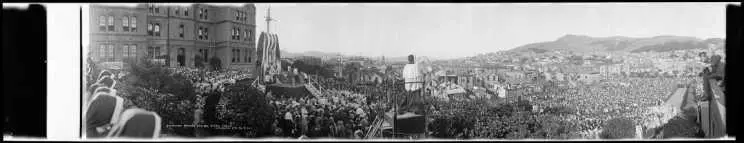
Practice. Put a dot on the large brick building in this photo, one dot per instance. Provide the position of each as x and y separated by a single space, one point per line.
177 36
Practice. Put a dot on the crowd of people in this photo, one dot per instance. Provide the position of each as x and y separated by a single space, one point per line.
627 97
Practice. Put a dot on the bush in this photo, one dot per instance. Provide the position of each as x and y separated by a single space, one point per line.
247 107
618 128
173 100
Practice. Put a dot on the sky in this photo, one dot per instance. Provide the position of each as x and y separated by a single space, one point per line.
459 30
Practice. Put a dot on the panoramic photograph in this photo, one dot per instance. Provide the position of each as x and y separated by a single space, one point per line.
371 71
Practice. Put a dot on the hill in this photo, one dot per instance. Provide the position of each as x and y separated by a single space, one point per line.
587 44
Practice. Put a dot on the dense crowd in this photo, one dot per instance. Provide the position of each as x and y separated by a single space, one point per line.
209 81
626 97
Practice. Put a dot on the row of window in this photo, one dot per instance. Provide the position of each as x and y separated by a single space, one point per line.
128 23
241 16
236 56
203 13
153 52
185 11
154 8
110 53
153 29
203 33
236 34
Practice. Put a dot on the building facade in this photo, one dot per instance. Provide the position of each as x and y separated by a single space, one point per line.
176 36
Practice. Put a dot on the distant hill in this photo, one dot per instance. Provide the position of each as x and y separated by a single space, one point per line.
287 54
586 44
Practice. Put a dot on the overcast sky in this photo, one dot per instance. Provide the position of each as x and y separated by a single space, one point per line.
458 30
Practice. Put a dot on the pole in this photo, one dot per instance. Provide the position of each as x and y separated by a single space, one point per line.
395 113
426 108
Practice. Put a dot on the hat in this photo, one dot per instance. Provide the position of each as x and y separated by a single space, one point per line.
103 110
137 123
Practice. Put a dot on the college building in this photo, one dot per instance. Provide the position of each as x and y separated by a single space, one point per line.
173 35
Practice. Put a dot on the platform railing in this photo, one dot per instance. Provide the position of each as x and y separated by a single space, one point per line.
714 124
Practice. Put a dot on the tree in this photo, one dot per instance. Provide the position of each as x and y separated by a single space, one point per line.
247 107
151 87
618 128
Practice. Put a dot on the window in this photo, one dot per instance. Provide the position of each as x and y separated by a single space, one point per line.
250 35
133 23
246 35
232 36
157 9
206 14
233 55
110 23
237 34
178 12
181 28
237 15
201 32
157 29
102 52
149 29
150 7
238 57
245 56
249 56
186 11
133 51
110 54
206 33
201 13
150 52
125 24
125 52
102 23
157 52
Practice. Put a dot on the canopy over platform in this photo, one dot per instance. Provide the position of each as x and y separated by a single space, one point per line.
287 90
408 123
